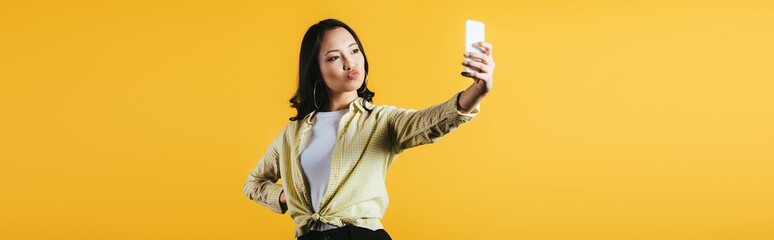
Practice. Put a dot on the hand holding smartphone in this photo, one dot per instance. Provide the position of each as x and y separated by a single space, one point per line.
474 32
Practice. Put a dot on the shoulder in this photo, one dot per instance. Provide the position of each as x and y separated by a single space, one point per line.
292 126
288 131
381 110
383 113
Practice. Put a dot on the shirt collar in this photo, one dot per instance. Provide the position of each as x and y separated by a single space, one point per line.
359 104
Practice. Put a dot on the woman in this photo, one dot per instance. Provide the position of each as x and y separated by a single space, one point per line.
334 154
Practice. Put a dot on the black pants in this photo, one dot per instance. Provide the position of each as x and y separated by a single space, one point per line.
347 232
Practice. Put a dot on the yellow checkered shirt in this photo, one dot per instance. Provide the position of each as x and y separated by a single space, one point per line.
367 143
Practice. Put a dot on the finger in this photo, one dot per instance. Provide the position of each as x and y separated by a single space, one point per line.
474 75
477 55
469 75
481 76
485 46
479 67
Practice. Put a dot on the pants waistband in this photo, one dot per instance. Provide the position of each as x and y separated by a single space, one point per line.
336 233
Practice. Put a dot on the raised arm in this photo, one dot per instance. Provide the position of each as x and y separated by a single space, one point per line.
411 128
261 185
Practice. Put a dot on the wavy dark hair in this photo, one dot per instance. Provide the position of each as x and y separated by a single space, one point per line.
309 70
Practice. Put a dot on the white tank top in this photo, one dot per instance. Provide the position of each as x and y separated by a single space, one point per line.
316 158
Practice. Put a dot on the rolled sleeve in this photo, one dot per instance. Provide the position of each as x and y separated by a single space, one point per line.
452 107
273 198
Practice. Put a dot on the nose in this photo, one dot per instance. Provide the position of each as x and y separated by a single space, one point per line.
348 66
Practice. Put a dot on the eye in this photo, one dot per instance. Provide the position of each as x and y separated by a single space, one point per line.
332 58
356 50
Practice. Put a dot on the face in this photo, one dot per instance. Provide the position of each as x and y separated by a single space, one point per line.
341 62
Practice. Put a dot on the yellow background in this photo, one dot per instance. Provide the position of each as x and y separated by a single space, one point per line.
607 120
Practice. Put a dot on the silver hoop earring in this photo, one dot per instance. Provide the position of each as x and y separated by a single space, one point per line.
314 95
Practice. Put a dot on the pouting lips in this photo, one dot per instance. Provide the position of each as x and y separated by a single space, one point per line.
353 75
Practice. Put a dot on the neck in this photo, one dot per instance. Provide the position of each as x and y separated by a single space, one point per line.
340 100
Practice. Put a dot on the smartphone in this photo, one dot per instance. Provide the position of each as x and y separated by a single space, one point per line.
474 32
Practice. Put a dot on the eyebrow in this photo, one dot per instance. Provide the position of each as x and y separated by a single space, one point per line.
326 53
